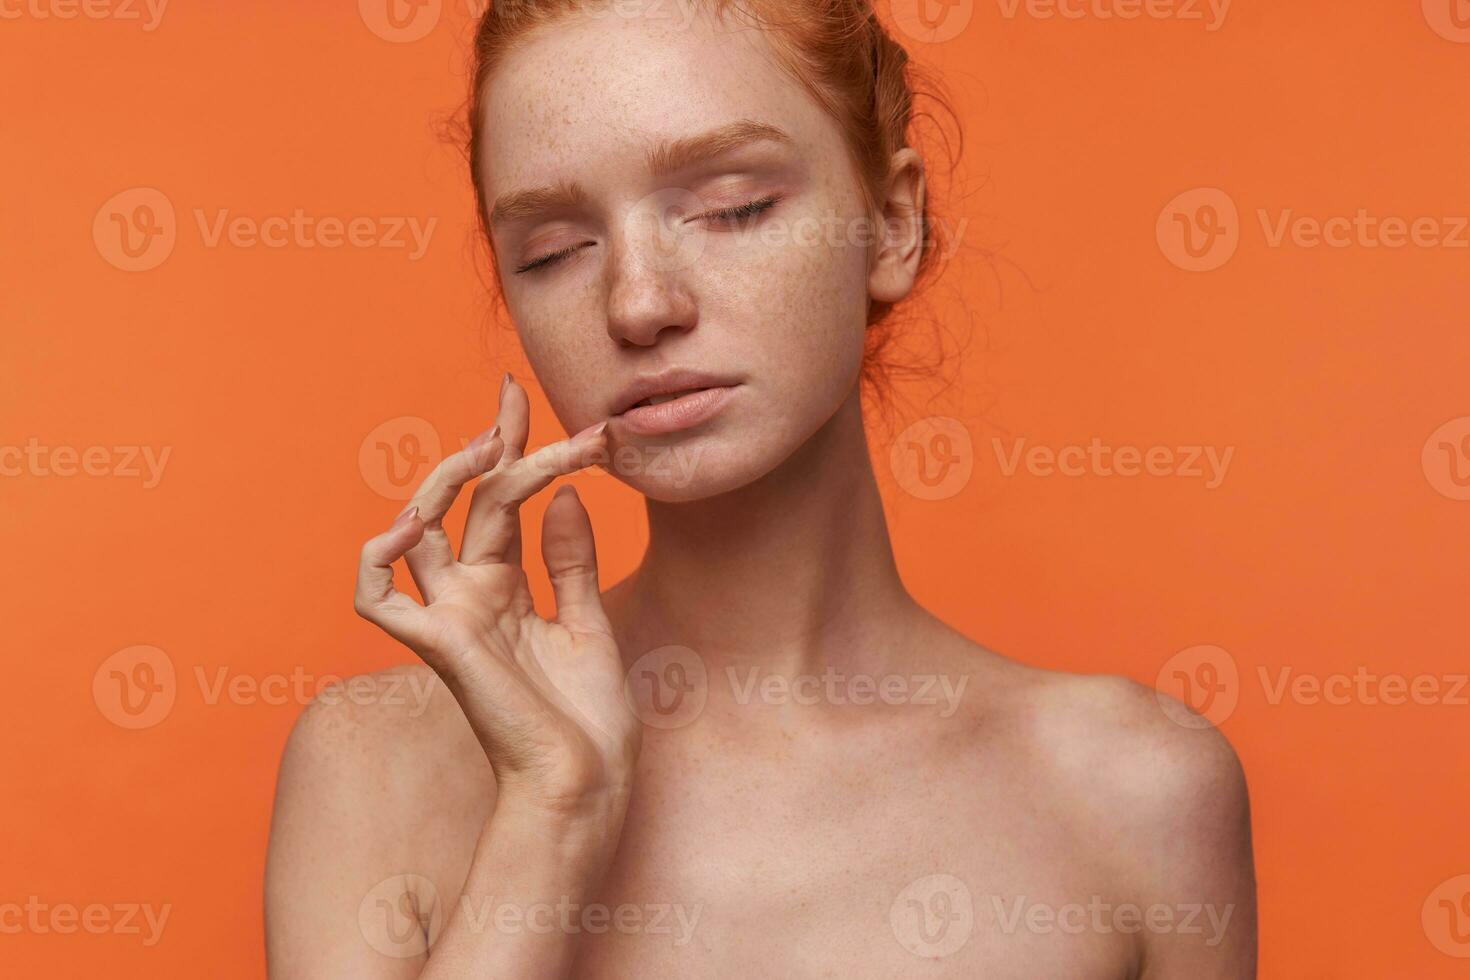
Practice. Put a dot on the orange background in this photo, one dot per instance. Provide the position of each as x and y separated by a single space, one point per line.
1326 548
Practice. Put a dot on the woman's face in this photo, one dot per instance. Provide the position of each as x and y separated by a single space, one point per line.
616 149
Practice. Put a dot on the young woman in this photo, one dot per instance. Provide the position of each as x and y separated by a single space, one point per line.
757 755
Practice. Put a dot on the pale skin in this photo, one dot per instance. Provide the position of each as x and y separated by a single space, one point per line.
763 836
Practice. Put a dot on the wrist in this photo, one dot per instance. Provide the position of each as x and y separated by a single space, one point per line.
565 801
584 820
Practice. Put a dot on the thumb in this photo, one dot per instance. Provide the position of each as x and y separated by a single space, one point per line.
571 560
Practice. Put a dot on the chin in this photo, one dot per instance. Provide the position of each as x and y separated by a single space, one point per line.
688 470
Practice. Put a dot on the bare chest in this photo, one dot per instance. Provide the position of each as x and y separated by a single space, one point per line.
894 873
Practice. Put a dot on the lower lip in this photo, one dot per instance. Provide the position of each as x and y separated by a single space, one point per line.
677 415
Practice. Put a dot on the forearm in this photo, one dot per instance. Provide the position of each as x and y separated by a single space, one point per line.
533 873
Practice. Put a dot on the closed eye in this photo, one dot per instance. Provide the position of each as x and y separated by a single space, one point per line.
550 259
735 215
743 212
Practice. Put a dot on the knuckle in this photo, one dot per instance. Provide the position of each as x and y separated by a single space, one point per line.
572 571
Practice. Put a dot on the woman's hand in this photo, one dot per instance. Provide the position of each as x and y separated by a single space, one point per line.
544 697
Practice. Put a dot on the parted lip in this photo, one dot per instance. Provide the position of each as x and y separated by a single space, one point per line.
668 382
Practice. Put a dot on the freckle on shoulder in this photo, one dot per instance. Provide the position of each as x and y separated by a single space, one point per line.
398 719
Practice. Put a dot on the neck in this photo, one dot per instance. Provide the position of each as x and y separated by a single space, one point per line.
793 573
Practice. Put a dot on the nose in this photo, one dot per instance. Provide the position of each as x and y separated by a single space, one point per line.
648 295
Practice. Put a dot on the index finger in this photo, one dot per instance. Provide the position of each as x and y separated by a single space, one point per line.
500 495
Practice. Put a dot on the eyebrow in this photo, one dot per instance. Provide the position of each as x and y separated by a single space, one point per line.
664 157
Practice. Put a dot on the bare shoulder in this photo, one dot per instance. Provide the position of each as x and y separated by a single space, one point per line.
1154 800
1133 752
380 778
1133 749
1149 796
373 745
1130 767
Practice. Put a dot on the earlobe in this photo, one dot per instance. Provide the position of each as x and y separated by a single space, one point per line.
900 240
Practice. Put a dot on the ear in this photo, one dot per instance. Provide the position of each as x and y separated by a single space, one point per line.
901 236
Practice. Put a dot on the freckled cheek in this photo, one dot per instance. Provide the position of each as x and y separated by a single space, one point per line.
564 358
808 307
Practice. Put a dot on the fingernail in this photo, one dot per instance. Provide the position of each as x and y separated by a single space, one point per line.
592 431
504 384
483 440
406 516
